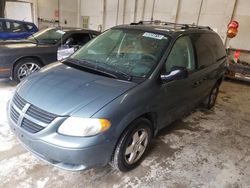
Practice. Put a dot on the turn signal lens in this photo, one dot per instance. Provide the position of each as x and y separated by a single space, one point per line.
232 32
105 124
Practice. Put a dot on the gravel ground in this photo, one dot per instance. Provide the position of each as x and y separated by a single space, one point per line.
205 149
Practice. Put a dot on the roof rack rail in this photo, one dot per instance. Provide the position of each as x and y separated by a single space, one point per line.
182 26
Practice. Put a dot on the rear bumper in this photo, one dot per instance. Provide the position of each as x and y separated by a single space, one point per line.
6 63
73 159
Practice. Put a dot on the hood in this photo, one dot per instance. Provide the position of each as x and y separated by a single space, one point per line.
62 90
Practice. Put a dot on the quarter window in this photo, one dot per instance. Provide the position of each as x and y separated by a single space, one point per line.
15 27
29 26
206 48
181 55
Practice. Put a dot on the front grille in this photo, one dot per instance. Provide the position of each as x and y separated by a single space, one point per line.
14 114
33 119
31 126
18 101
40 114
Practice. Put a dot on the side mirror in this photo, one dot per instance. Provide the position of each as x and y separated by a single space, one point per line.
176 73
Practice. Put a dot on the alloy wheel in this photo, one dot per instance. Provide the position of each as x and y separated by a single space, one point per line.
27 69
136 146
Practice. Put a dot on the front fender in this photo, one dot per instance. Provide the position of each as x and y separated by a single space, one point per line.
122 111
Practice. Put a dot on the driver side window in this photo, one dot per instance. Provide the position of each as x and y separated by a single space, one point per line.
181 55
78 39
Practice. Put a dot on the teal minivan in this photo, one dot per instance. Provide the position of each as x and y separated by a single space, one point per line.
105 103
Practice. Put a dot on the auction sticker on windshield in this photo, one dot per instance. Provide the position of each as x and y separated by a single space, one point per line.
153 35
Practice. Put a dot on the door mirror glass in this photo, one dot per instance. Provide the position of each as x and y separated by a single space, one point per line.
176 73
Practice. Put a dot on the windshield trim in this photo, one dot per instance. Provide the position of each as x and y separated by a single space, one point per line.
145 29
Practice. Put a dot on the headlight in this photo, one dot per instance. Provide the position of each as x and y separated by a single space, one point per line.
74 126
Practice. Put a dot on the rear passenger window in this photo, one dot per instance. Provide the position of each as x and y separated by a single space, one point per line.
15 27
1 26
8 26
18 27
181 55
209 48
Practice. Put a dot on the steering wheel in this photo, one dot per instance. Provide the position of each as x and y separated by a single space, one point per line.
147 60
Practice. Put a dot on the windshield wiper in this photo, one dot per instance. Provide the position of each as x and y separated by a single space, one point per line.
91 68
127 76
97 64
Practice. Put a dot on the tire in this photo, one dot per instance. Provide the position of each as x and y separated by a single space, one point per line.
24 68
211 99
136 149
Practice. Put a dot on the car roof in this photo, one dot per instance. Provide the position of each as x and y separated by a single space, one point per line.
74 30
172 29
23 21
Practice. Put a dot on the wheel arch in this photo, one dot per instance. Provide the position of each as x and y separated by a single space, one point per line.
25 57
219 81
151 116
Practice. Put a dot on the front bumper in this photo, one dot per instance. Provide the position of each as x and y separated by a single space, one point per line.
69 153
5 72
66 158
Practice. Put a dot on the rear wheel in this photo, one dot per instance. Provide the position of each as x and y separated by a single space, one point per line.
211 99
132 146
24 68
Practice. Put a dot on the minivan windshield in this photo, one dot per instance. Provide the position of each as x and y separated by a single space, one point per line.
47 36
132 52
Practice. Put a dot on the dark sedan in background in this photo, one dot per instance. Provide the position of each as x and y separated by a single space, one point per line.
19 59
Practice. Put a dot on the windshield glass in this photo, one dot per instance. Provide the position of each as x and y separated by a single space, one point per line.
48 36
131 52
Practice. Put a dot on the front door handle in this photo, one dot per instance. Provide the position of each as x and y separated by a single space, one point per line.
197 83
204 79
200 81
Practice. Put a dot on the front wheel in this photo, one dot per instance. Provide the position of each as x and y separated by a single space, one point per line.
24 68
132 146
